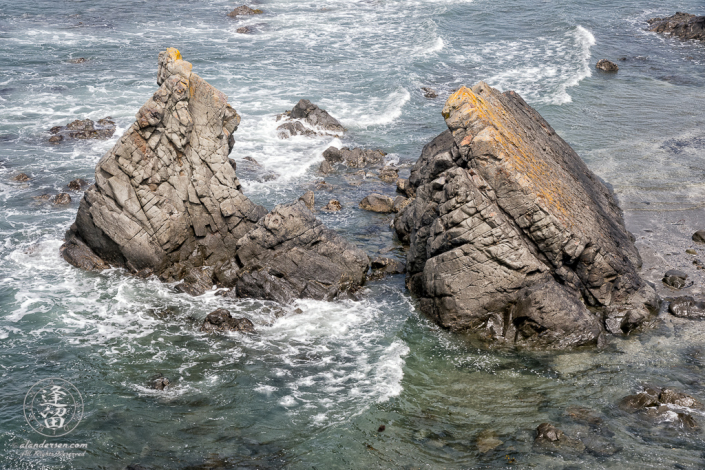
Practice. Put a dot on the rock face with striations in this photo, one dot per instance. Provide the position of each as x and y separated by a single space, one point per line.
512 236
167 201
682 25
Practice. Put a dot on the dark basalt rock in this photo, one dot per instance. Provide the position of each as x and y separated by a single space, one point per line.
290 254
319 120
681 25
377 203
429 93
687 307
500 248
675 278
244 10
606 66
221 321
84 129
77 184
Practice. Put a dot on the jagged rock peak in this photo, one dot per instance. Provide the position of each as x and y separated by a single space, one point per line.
512 236
166 198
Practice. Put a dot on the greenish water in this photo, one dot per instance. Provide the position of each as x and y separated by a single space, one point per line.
311 389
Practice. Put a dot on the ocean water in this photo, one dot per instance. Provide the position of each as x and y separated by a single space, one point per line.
311 389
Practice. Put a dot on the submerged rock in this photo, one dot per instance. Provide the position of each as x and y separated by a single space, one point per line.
550 436
675 278
318 119
333 206
21 178
687 307
221 320
512 236
699 236
291 254
84 129
655 403
61 199
606 66
244 10
429 93
77 184
387 265
160 383
353 158
378 203
681 25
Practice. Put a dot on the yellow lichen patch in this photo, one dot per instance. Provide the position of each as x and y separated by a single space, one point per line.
524 166
174 53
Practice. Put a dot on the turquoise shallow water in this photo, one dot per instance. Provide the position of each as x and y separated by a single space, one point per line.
311 389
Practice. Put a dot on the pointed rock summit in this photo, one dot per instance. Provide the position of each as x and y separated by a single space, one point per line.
167 200
512 236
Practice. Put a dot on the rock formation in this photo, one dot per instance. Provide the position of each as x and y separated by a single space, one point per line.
167 201
681 25
512 236
291 254
308 119
244 10
353 158
85 129
606 66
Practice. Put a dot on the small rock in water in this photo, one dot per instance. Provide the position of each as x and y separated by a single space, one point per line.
244 10
699 236
388 174
308 198
333 206
675 278
77 184
584 415
672 397
400 202
377 203
682 25
314 116
640 401
290 129
606 66
323 186
326 168
251 160
78 60
388 265
429 93
245 30
354 158
548 435
691 252
85 129
22 177
161 383
686 307
55 139
61 199
221 320
381 428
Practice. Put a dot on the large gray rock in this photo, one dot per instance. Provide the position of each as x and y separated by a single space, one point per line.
291 254
166 198
681 25
317 121
512 236
354 158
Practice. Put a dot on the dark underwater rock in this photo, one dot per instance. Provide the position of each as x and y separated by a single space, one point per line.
221 320
681 25
606 66
500 248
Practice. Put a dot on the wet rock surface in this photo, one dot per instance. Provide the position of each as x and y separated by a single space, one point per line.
244 10
21 178
429 93
61 199
84 129
606 66
675 278
333 206
309 198
549 436
663 405
353 158
686 307
682 25
77 184
291 254
316 120
160 383
499 248
221 320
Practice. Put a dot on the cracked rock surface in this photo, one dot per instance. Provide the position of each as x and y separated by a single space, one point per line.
167 201
512 237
